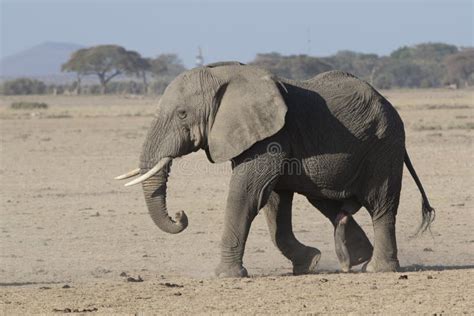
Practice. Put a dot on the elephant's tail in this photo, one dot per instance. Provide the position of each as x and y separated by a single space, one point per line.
427 212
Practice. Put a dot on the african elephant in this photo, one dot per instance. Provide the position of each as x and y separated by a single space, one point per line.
333 139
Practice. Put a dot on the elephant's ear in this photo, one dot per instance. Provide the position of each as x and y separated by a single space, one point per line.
250 109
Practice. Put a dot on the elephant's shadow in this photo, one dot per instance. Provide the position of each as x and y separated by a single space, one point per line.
420 268
409 268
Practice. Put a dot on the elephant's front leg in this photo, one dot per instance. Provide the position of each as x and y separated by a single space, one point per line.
238 218
248 191
278 214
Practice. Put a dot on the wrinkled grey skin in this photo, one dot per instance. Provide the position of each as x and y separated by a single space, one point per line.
333 139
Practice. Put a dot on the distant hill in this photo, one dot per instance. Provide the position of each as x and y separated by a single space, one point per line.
43 61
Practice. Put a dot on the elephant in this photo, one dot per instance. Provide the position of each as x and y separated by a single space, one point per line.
332 138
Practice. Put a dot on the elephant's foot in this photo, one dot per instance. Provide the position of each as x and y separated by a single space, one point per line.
378 265
351 243
308 263
230 271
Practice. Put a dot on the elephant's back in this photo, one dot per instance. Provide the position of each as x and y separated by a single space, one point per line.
356 104
342 91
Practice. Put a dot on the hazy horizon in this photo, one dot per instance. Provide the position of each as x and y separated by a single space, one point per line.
231 30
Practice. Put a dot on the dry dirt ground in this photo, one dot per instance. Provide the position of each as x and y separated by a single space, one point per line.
71 236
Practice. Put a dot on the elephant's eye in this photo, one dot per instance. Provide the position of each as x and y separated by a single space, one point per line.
182 114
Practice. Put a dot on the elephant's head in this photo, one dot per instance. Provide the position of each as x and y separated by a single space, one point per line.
222 108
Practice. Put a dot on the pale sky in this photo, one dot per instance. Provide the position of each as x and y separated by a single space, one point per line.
236 30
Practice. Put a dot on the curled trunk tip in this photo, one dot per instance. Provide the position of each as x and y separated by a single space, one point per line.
154 189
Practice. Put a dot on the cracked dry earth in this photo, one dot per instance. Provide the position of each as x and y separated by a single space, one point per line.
75 241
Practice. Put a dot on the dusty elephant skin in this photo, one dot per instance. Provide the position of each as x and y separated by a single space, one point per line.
333 139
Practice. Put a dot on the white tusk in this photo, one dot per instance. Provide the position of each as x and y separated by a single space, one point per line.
129 174
163 162
283 86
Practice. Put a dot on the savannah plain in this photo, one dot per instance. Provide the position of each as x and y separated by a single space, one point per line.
74 240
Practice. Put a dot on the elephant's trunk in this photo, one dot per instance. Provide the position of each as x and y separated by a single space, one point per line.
154 189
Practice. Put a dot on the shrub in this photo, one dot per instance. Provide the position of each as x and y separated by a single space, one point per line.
23 86
126 87
24 105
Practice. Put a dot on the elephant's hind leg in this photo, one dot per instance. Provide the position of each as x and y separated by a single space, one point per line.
382 203
278 215
385 257
350 241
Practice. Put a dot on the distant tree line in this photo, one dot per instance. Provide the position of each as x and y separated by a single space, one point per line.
419 66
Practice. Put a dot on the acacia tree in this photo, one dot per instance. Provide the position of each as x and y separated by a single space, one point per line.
166 65
106 62
138 66
75 65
